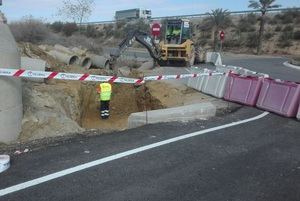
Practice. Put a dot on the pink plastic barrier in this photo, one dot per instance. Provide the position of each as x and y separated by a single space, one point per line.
298 115
243 90
280 97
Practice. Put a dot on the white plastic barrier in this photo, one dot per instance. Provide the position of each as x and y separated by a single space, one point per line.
214 85
227 69
196 83
214 57
4 162
239 70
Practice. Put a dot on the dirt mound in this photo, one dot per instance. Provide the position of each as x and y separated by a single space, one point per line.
58 108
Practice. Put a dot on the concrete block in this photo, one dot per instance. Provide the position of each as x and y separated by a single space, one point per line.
180 114
215 85
34 65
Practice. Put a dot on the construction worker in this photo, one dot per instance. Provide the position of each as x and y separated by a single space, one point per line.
169 34
105 91
176 34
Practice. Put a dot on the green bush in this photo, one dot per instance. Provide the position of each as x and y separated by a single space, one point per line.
285 39
251 40
91 32
288 17
288 28
69 29
29 30
297 35
56 27
269 35
245 25
278 28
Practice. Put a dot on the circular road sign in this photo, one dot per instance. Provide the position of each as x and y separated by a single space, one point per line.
156 29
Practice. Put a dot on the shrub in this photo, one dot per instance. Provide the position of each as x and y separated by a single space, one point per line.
269 35
91 32
69 29
251 18
251 40
29 30
297 35
244 25
278 28
57 27
288 17
108 30
288 28
285 39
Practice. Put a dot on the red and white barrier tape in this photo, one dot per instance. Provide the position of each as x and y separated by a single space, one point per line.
65 76
95 78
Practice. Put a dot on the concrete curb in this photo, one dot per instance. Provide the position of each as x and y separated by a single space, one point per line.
287 64
179 114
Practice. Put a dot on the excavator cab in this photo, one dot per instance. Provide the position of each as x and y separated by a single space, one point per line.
177 31
178 48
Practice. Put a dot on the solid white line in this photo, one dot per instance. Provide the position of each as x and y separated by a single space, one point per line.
78 168
287 64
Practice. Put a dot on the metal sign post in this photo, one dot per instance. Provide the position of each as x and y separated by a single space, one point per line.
222 37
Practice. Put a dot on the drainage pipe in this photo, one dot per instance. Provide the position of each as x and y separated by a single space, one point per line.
69 59
86 62
99 61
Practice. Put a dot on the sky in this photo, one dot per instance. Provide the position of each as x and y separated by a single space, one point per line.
105 9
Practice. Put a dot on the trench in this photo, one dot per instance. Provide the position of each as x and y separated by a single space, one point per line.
126 99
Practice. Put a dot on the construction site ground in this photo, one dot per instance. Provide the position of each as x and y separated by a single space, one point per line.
55 109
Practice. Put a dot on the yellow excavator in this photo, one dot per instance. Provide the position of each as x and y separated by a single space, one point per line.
177 48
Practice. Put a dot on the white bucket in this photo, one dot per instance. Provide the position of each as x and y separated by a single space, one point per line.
4 162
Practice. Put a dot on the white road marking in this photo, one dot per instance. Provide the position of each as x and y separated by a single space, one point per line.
78 168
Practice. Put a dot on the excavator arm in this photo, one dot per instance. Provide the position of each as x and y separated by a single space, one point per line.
143 38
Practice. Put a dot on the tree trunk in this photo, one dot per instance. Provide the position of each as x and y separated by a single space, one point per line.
261 34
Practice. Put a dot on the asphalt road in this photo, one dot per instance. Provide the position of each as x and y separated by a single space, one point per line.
269 65
258 160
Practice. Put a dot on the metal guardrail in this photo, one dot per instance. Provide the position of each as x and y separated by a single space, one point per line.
196 15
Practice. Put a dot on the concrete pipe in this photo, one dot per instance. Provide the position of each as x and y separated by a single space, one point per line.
79 51
99 61
69 59
86 62
64 49
11 107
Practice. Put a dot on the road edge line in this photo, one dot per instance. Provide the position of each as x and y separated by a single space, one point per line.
84 166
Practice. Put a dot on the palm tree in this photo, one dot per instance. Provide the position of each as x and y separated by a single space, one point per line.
263 6
219 19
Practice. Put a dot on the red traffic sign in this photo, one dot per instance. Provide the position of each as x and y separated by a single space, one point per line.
222 35
155 29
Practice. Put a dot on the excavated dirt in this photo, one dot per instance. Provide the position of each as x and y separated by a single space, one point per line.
59 108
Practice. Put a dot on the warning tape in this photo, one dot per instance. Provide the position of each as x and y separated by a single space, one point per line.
65 76
95 78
